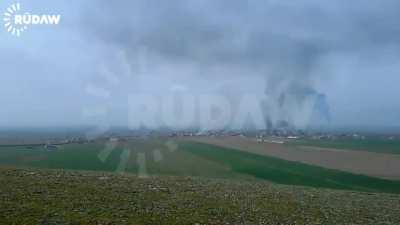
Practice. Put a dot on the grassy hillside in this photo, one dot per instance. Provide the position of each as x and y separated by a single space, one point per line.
58 197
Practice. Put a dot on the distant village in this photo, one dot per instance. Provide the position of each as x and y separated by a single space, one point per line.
278 136
272 136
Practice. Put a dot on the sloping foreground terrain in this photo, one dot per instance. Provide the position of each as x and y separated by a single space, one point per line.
60 197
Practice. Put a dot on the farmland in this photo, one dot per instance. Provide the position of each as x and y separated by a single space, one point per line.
182 157
369 163
369 145
182 181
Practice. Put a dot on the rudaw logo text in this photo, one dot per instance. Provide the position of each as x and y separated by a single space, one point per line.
17 22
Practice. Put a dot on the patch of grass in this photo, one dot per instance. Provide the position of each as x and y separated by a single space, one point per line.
286 172
370 145
32 196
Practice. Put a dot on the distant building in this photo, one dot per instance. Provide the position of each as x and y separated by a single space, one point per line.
51 147
277 142
114 139
292 137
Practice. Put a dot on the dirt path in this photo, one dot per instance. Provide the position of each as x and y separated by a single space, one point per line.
367 163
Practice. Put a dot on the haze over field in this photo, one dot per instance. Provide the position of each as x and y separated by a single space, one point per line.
337 59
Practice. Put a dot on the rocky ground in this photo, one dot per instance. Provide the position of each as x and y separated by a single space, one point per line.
60 197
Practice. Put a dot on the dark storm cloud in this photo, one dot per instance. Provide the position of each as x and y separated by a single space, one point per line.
245 32
281 39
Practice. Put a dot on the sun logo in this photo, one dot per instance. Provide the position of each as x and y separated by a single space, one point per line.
114 143
9 20
169 146
100 113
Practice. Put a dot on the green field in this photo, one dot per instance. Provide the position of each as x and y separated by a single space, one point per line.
86 157
74 157
293 173
370 145
192 159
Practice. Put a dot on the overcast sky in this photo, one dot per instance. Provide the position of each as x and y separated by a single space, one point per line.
104 51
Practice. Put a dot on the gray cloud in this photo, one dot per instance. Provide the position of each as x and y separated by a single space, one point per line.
337 49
